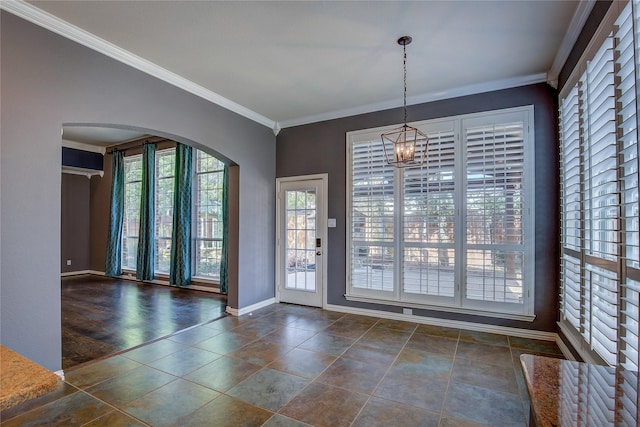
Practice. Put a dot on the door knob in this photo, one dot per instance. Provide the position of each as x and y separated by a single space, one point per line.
318 253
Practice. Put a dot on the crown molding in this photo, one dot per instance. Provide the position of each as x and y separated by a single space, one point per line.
52 23
573 32
420 99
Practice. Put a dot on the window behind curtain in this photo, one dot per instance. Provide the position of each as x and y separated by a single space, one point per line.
165 180
207 218
208 183
131 217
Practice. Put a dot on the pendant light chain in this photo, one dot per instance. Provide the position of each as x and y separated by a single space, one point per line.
404 65
406 145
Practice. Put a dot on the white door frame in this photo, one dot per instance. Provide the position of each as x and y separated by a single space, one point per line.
322 212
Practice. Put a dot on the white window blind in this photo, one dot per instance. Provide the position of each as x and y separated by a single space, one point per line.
571 301
131 210
599 196
494 205
372 218
450 232
429 218
628 59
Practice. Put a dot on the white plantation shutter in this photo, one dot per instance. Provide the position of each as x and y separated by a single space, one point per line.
629 324
372 217
594 395
494 205
628 70
601 259
570 171
571 209
569 402
627 408
604 299
450 232
599 118
429 219
601 206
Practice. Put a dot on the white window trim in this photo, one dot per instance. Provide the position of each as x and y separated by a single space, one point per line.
156 238
526 310
194 222
126 159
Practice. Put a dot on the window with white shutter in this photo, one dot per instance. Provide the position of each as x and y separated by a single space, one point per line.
429 220
494 209
372 217
455 232
571 300
628 72
599 195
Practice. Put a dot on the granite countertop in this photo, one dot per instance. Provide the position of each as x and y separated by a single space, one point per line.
566 393
22 380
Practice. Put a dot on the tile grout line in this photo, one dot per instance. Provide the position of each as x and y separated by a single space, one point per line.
446 391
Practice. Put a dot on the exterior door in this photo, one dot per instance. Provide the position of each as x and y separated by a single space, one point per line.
301 240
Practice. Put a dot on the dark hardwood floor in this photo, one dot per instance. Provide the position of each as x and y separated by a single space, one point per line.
102 316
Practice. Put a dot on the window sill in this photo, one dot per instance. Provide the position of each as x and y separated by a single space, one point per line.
448 309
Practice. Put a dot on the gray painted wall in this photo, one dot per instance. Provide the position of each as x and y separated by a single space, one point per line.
47 81
320 148
75 223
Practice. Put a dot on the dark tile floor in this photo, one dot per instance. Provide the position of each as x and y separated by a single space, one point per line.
291 366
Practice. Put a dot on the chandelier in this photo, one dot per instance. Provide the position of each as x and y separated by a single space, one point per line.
406 145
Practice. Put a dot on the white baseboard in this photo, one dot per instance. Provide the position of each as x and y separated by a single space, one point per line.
565 350
97 273
481 327
245 310
77 273
132 277
60 373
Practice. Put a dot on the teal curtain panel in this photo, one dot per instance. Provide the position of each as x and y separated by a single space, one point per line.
146 234
180 270
113 267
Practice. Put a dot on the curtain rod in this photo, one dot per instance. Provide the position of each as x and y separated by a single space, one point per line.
136 145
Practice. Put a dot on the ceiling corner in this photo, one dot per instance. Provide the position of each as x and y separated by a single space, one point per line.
573 32
52 23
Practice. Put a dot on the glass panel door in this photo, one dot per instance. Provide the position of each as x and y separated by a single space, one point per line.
301 239
300 242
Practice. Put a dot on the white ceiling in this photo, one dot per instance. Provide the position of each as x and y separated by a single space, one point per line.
98 136
294 62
